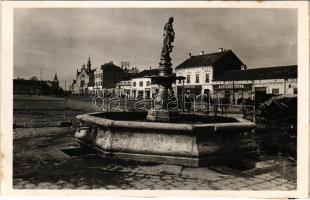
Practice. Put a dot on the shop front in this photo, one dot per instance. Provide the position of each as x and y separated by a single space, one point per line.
189 89
234 92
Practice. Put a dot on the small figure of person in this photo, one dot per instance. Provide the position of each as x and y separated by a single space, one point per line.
215 105
187 102
225 105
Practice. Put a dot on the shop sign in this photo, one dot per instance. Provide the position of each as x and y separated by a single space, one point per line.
231 86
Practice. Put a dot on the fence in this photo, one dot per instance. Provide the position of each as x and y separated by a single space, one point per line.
207 108
50 109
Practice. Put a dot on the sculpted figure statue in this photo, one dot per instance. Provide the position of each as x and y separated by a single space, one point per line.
168 38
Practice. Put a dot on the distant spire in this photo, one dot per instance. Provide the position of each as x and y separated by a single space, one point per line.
55 77
88 63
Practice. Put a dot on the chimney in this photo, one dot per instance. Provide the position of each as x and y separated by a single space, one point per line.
202 52
150 68
190 55
221 49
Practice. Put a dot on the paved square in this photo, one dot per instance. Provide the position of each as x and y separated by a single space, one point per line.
40 163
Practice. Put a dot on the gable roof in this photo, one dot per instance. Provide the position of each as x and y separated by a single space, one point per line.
203 60
279 72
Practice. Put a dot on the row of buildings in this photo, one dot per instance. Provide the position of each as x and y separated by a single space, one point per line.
33 86
102 79
220 73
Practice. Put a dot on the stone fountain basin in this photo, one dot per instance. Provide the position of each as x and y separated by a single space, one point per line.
196 141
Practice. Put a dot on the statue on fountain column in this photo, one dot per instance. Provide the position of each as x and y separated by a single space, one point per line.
168 39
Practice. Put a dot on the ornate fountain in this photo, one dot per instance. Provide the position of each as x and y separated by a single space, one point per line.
164 136
164 79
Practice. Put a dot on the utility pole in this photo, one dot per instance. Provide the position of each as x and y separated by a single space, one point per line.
40 81
183 93
233 90
40 74
284 85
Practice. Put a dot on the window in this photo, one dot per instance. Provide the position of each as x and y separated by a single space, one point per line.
207 78
275 90
197 78
295 90
133 84
140 93
188 79
82 83
148 83
180 81
141 83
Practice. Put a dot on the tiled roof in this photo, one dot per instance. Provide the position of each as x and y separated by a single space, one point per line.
144 73
203 60
259 73
26 82
110 65
31 82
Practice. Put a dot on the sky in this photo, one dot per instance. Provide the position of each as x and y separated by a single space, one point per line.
60 40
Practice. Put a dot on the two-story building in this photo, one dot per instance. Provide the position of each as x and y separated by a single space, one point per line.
141 84
200 70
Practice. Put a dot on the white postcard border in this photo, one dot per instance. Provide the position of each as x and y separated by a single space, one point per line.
7 95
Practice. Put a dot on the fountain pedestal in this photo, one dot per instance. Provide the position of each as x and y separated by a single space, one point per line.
164 79
161 111
163 116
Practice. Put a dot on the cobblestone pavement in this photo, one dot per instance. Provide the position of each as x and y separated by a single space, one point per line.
40 163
